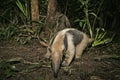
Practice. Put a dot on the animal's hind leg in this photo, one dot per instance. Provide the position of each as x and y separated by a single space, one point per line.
79 49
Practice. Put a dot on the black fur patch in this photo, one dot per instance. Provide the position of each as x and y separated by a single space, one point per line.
66 42
77 36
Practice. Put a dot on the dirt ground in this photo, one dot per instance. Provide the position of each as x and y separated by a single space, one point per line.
26 62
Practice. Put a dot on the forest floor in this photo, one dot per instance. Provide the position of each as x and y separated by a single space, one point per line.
26 62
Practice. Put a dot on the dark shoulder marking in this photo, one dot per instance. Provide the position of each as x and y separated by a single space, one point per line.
77 36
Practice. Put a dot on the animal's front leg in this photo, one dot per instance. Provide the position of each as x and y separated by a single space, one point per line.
69 57
80 48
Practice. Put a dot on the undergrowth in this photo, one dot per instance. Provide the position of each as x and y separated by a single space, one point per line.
20 33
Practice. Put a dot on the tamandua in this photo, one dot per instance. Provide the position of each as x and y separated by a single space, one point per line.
64 46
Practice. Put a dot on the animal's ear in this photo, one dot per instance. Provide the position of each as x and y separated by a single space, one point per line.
48 54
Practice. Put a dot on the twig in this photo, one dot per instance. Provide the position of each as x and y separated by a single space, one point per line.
43 43
106 57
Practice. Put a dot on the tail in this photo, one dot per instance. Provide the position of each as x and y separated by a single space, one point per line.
91 40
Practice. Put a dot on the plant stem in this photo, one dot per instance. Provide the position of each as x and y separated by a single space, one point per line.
94 21
88 22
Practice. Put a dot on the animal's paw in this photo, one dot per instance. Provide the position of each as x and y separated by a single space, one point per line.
78 56
64 63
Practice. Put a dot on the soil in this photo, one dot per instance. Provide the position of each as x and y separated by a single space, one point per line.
26 62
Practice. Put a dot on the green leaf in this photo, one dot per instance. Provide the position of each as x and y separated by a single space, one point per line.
82 2
77 20
20 6
81 24
100 37
23 8
93 14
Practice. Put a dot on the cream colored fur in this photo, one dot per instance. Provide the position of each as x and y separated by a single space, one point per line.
57 47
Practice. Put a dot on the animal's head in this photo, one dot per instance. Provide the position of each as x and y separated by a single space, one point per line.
56 59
